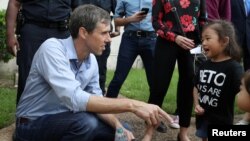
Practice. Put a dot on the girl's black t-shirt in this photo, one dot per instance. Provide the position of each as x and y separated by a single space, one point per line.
217 84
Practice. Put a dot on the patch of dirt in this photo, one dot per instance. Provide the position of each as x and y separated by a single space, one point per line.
139 126
6 133
6 83
171 135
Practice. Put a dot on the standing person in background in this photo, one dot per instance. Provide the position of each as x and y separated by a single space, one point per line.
138 39
218 9
172 46
218 80
109 6
240 10
37 21
62 100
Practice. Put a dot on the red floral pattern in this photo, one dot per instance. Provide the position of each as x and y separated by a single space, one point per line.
169 24
170 36
189 28
167 7
184 3
186 20
164 22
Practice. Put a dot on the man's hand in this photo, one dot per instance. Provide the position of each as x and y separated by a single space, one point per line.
125 133
11 16
151 113
116 124
12 44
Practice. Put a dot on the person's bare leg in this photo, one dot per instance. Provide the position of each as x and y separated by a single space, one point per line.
183 134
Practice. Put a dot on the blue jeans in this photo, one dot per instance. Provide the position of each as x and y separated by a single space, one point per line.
67 126
131 46
202 131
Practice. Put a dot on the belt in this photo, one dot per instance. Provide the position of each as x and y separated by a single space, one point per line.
60 24
22 120
140 33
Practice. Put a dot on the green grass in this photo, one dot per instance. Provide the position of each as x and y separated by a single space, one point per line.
7 106
136 87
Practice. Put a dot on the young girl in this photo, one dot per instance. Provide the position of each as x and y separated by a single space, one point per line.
243 97
218 80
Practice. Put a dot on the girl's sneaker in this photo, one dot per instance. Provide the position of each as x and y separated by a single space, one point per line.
175 124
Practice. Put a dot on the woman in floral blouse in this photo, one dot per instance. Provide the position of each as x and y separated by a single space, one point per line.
173 44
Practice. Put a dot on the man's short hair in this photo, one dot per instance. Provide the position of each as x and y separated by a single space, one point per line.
87 16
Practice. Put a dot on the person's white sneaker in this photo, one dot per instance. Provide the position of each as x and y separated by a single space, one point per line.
242 122
175 124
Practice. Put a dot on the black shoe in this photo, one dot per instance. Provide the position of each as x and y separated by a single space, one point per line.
162 128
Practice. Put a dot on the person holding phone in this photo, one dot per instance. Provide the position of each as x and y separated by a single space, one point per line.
144 11
138 39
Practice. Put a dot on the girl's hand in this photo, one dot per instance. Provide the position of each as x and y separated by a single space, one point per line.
199 110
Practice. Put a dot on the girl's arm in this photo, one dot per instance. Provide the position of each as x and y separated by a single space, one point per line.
197 108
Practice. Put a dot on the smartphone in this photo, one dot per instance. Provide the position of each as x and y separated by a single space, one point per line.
144 11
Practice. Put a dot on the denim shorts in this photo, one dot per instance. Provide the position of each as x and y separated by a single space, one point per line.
202 130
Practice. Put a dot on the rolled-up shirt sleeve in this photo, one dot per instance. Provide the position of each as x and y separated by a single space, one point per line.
119 10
